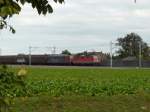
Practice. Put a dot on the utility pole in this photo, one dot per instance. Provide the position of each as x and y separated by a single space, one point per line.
131 52
111 61
134 1
0 51
140 55
49 49
30 55
54 50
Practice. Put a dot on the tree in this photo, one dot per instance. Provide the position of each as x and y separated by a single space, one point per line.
130 46
10 7
66 52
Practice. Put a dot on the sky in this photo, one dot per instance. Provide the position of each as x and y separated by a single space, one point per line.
76 25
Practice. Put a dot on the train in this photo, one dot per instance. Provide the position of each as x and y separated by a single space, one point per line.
46 59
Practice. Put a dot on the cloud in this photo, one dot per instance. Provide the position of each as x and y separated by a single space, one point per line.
78 25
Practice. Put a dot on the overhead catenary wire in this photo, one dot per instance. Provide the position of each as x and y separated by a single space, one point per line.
33 48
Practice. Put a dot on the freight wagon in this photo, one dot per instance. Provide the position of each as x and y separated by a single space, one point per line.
8 59
59 60
49 60
38 59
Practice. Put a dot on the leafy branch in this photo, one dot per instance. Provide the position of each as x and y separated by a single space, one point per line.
10 7
3 24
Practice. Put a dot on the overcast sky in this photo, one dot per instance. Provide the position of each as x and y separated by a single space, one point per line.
77 25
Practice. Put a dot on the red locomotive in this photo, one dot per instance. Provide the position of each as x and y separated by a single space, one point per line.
84 60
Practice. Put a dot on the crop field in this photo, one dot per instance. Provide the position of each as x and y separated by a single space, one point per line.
85 90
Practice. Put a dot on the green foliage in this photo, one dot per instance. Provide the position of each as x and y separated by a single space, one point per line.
89 88
79 103
86 90
3 24
10 7
130 46
88 82
66 52
11 86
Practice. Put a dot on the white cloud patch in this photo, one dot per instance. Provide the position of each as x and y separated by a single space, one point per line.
78 25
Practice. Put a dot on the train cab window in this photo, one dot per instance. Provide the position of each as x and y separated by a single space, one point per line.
20 60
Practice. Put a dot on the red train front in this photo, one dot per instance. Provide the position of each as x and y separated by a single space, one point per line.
84 60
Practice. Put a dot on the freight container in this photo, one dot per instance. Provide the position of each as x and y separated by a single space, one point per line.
8 59
39 59
58 60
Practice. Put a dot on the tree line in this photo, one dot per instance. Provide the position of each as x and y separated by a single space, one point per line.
129 45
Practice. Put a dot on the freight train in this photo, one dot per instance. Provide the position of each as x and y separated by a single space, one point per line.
50 60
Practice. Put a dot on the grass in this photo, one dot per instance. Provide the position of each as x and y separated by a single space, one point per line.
121 103
86 90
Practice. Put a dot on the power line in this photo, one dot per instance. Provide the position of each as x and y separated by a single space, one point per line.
32 48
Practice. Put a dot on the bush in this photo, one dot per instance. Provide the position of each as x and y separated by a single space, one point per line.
11 86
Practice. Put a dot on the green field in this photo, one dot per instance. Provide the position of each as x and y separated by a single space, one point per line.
86 90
